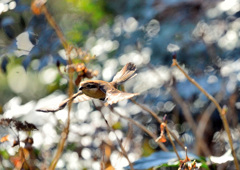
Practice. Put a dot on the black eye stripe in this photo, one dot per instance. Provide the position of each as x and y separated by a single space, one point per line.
91 86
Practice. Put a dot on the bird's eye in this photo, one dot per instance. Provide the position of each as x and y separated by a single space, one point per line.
91 86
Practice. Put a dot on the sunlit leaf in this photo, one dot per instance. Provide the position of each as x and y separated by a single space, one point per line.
4 138
4 154
222 159
159 158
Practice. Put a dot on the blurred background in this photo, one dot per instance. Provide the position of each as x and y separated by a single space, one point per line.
203 34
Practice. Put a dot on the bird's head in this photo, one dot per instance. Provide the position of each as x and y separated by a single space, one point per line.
88 85
91 88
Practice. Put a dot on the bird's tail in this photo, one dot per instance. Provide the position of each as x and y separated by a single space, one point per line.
127 72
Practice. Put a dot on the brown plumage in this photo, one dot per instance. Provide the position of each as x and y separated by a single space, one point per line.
108 91
99 89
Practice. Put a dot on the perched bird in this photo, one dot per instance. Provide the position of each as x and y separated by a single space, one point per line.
107 91
99 89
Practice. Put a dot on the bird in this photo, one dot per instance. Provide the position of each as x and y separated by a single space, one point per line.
102 90
107 91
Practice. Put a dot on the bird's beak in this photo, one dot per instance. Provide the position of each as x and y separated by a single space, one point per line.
80 88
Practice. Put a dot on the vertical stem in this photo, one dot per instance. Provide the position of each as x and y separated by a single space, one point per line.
65 132
54 25
118 140
161 145
210 97
160 121
188 116
174 147
223 117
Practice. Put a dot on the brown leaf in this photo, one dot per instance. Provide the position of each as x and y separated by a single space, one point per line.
4 138
15 143
19 125
5 122
24 126
28 141
37 5
162 137
30 126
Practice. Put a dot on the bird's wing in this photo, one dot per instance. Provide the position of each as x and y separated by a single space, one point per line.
115 95
81 98
106 87
77 97
127 72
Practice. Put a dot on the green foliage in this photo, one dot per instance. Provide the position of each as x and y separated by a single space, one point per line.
91 9
117 125
4 153
146 148
91 13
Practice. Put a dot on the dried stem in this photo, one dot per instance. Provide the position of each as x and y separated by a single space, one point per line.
54 25
161 145
184 106
188 116
159 120
174 147
210 97
202 124
118 140
65 132
102 159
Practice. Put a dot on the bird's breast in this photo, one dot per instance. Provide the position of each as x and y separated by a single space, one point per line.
94 93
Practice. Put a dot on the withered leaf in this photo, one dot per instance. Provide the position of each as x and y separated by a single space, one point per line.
30 126
15 143
5 122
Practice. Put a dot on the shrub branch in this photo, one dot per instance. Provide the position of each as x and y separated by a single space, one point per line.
221 111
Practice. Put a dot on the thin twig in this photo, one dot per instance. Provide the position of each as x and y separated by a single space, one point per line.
54 25
174 147
210 97
223 116
103 156
129 135
186 112
202 124
65 132
161 145
188 116
159 120
184 106
118 140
